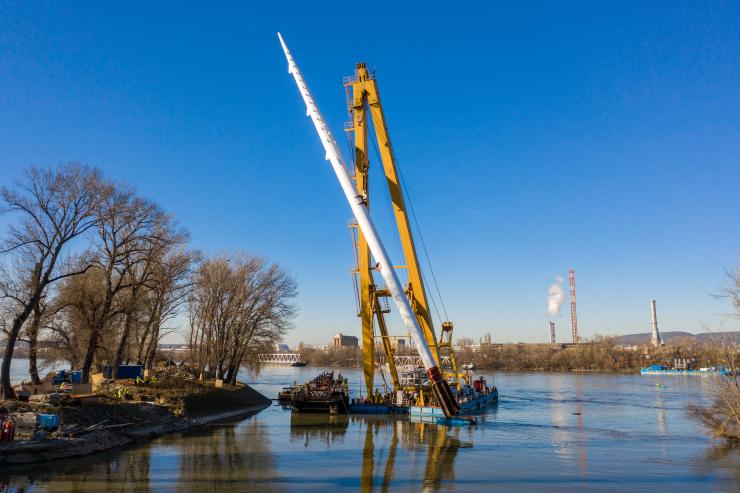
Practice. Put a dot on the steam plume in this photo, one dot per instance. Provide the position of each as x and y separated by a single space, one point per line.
555 297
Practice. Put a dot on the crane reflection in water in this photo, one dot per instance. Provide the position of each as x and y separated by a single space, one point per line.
384 438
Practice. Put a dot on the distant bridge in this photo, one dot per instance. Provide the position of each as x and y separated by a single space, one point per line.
279 358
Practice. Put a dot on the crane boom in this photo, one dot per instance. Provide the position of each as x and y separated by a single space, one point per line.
356 202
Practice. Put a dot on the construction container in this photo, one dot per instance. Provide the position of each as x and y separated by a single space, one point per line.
125 371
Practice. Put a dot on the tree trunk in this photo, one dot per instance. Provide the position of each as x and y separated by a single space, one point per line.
143 344
92 345
33 335
233 370
15 329
118 358
152 348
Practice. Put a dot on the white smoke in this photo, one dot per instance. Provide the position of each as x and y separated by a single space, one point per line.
555 297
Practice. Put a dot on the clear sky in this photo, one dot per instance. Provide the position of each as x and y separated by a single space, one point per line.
532 138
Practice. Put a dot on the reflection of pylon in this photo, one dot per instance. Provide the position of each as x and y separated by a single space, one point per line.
573 318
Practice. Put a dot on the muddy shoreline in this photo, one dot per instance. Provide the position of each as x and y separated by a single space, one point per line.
153 421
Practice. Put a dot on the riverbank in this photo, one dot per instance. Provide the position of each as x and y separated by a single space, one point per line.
103 425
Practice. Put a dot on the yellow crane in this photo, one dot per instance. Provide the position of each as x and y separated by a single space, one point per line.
363 101
412 309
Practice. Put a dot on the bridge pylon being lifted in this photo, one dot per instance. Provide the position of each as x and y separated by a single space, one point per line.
363 101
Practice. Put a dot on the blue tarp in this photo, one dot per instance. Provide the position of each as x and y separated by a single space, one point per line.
49 422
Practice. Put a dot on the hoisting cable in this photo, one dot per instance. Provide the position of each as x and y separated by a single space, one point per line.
418 229
408 199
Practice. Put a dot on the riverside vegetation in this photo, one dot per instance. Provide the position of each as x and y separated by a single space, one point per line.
722 417
92 273
600 354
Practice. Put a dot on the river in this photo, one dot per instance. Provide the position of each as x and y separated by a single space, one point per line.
550 432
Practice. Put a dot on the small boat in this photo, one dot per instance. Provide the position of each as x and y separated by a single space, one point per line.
323 394
468 366
299 363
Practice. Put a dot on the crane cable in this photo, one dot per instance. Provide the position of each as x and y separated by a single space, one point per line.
418 229
421 237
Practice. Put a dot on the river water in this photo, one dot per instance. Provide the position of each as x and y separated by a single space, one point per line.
549 432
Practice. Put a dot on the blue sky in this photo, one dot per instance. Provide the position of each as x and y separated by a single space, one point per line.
532 138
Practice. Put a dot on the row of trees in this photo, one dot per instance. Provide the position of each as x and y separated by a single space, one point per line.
92 272
238 307
600 354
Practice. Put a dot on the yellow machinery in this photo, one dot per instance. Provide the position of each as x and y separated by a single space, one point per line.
363 101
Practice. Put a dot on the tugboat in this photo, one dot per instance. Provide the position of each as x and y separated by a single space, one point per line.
285 395
323 394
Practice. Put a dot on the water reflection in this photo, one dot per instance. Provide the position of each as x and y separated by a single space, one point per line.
581 438
231 458
565 442
437 445
309 427
660 409
133 470
559 417
222 458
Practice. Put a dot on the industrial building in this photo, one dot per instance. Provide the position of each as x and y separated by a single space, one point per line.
341 340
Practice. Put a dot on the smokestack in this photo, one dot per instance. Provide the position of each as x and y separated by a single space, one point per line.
573 318
552 332
655 340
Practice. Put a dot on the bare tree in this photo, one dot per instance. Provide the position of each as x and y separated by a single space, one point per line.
722 417
125 226
237 307
32 330
55 207
145 268
167 294
266 318
83 300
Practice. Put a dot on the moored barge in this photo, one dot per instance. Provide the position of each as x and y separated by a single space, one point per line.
323 394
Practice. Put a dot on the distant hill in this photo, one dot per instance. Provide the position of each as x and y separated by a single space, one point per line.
669 337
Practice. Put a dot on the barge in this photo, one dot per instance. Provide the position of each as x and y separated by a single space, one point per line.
323 394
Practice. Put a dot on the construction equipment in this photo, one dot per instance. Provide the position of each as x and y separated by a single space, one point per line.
364 106
416 319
